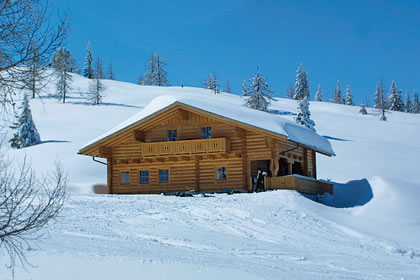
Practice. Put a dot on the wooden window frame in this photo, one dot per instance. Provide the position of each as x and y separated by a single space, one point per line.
121 177
217 174
148 176
169 177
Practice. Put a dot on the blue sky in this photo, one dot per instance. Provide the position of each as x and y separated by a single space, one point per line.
356 42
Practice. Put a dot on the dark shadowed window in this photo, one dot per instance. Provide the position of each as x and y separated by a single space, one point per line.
206 132
221 174
172 135
125 178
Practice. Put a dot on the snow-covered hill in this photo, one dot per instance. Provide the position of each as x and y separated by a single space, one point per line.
272 235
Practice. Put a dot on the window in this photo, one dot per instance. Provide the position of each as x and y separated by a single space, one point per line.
144 177
221 174
164 176
125 178
206 132
172 135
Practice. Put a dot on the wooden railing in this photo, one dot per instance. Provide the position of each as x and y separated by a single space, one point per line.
299 183
186 147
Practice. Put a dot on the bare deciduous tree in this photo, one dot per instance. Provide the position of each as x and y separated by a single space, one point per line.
26 35
26 206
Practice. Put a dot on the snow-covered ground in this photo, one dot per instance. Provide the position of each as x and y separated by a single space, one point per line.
370 230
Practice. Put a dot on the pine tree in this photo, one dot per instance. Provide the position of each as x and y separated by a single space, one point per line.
382 101
99 71
318 95
349 98
415 107
228 89
408 106
88 70
290 91
395 102
244 91
337 97
156 74
258 93
35 77
96 91
362 109
26 134
62 65
211 82
301 84
304 115
111 75
377 100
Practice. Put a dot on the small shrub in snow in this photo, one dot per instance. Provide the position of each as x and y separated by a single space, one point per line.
304 115
362 109
26 134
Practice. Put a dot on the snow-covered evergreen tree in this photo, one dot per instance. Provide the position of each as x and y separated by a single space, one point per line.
111 75
349 97
88 71
211 82
301 84
395 102
62 61
318 94
337 97
26 134
258 93
408 106
304 115
290 91
362 109
244 91
156 74
415 107
228 88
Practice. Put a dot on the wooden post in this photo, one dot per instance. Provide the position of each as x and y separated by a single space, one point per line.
197 173
109 171
314 163
305 161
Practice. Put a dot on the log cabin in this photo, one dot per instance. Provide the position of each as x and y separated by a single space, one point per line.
194 145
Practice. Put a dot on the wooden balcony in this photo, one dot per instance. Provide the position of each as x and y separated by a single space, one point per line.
186 147
298 183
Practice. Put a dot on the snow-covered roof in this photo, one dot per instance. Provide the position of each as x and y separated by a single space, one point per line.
226 109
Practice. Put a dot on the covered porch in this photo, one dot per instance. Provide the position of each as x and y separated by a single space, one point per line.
299 183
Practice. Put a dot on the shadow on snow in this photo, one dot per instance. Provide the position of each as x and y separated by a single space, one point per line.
351 194
334 138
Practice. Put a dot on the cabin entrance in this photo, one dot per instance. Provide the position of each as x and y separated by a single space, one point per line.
264 165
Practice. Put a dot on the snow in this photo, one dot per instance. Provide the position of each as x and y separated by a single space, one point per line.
369 228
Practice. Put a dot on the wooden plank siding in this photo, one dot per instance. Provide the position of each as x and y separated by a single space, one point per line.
193 171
